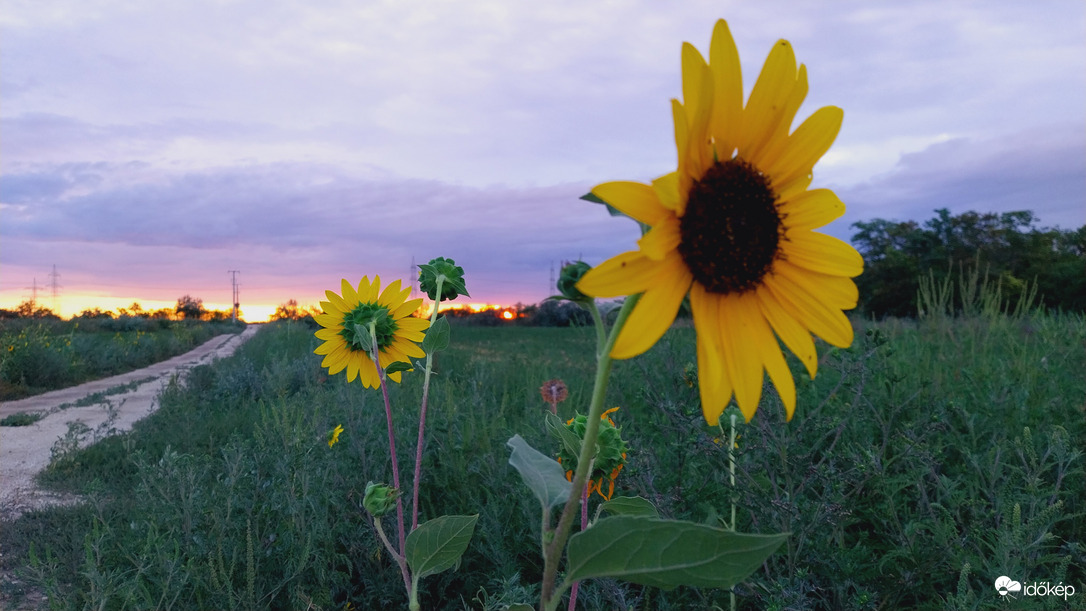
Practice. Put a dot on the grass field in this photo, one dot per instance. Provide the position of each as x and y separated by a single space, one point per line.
38 355
923 462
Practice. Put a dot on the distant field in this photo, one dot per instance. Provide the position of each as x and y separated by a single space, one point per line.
923 462
39 355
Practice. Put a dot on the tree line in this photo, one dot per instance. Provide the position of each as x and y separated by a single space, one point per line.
1006 248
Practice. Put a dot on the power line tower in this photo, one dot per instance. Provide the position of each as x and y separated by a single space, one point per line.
552 286
413 276
234 291
33 295
53 277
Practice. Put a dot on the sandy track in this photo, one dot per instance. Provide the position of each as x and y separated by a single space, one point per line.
25 450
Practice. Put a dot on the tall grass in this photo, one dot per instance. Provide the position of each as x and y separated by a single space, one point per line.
41 355
923 462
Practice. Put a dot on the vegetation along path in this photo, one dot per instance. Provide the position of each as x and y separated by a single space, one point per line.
83 414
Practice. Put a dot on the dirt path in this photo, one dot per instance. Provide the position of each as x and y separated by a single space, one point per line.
25 450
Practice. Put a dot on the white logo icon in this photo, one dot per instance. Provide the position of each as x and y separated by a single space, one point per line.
1005 585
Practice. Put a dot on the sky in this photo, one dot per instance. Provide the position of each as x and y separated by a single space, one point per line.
148 148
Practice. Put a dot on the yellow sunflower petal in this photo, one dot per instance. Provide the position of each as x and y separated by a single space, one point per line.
840 292
698 102
682 141
662 239
822 253
389 295
654 313
792 333
773 358
763 155
713 388
352 369
328 347
334 356
792 188
329 321
413 324
727 117
374 289
742 356
409 306
667 192
807 145
769 97
408 348
625 274
636 200
329 334
335 304
367 374
812 311
812 209
350 297
395 376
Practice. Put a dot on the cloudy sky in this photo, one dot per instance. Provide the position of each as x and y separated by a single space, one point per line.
146 148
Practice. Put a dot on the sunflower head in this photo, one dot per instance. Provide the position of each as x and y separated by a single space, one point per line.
365 323
379 499
732 228
450 275
333 435
610 459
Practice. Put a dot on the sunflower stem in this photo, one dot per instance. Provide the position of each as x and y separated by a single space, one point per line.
584 525
422 415
551 596
395 463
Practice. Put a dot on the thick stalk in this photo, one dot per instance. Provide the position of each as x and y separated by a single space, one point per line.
550 596
422 416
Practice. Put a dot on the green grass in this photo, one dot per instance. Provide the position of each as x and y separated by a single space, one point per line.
922 463
37 356
21 418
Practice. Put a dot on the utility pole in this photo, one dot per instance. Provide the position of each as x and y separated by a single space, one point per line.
413 276
552 287
234 292
53 277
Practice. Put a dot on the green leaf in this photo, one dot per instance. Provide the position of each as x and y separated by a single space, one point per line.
630 506
437 545
362 336
520 607
437 337
395 366
592 197
541 473
570 441
667 553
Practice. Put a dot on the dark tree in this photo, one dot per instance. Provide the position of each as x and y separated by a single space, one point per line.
190 308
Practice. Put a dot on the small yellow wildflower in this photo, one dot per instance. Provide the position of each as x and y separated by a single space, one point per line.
333 435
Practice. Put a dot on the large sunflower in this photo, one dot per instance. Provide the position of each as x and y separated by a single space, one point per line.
396 330
732 227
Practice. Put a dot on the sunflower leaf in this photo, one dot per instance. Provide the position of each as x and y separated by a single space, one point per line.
437 545
630 506
395 366
568 438
437 337
541 473
667 553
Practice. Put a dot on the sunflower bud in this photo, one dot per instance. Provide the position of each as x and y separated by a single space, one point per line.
451 278
610 459
379 499
567 281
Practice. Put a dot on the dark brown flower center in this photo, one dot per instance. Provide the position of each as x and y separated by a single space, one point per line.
731 228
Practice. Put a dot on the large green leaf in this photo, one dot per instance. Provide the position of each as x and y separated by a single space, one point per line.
437 545
437 337
541 473
667 553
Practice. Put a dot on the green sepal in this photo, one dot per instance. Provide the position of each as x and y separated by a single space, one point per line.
667 553
592 197
437 336
438 545
362 337
542 474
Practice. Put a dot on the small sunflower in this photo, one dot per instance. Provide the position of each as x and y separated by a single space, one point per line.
396 330
333 435
732 227
610 459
